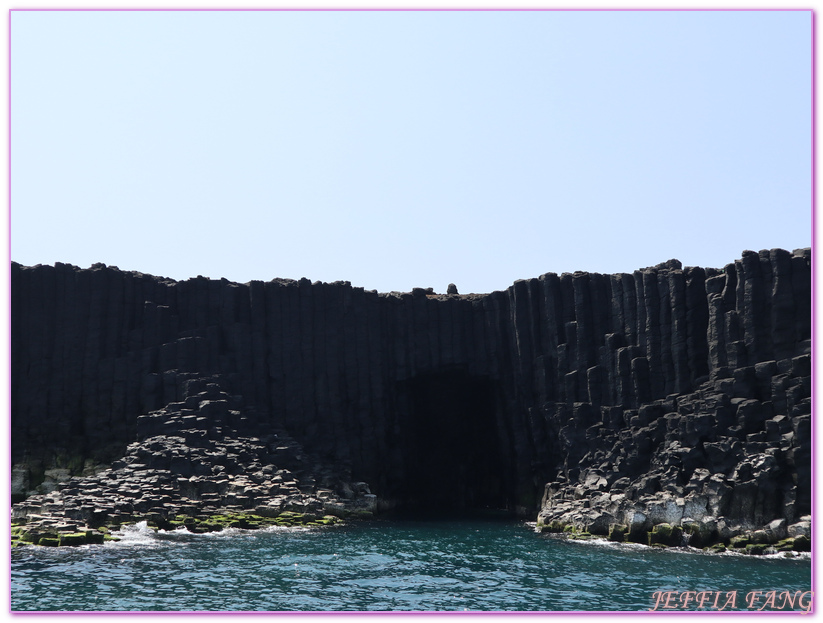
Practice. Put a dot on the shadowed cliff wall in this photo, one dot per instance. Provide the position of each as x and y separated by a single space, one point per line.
360 377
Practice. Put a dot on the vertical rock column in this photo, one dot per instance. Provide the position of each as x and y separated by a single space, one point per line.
801 287
753 308
678 334
551 312
585 331
520 303
782 308
258 334
334 368
306 381
697 324
274 351
653 368
665 296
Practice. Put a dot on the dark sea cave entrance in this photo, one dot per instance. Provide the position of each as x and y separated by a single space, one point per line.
450 447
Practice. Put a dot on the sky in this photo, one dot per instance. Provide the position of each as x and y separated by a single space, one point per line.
402 149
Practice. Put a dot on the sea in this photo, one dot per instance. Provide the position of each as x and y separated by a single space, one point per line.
466 565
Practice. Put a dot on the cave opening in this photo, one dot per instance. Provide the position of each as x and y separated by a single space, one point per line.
451 446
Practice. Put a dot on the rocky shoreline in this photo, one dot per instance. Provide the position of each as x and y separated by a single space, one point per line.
723 468
194 467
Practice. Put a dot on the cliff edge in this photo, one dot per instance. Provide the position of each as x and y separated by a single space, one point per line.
608 404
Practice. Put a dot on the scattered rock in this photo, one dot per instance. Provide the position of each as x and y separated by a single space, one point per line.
170 482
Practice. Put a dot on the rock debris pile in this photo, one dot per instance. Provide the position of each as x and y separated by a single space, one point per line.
725 466
192 467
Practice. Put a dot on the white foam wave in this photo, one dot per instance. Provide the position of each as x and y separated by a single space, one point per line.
135 534
603 542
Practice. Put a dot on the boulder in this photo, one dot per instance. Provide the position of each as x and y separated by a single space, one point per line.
801 528
666 534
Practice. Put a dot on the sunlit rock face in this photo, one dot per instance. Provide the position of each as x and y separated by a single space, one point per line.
664 393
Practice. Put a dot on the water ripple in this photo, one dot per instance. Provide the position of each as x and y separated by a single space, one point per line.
375 566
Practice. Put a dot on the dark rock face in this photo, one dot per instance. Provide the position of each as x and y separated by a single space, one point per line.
689 383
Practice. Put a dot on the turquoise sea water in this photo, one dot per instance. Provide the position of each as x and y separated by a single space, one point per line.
382 565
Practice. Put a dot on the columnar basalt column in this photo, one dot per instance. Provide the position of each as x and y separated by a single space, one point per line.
337 366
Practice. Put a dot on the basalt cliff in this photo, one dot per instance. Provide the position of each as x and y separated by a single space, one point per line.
669 405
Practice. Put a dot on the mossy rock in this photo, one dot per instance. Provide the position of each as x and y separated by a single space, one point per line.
786 545
94 538
246 521
73 539
553 526
617 533
108 537
292 519
660 545
265 522
802 544
29 537
49 541
718 548
756 549
663 529
740 542
176 521
328 520
665 534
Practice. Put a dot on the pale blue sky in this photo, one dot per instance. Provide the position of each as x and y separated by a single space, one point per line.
404 149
